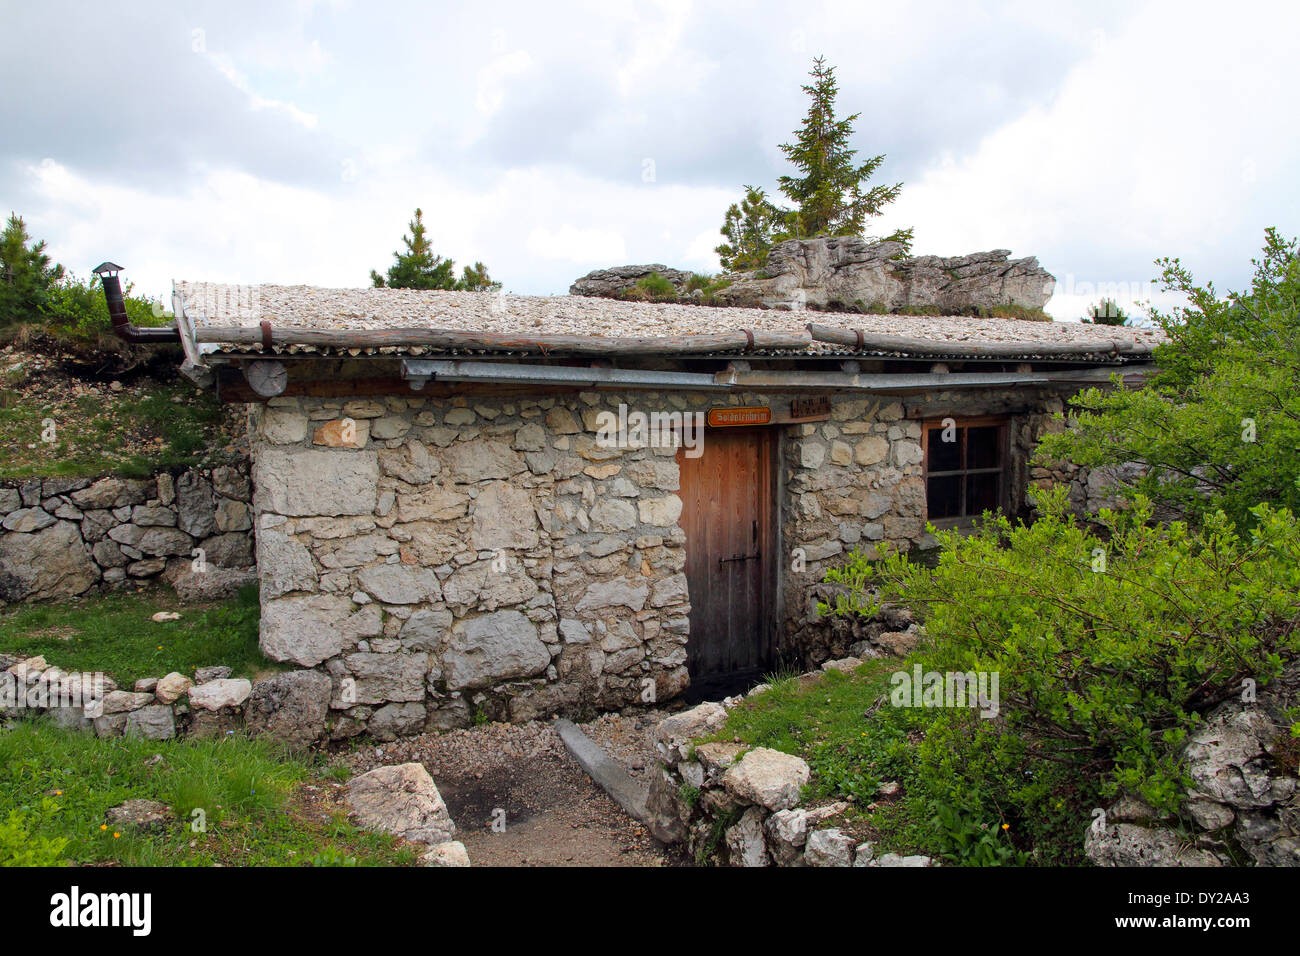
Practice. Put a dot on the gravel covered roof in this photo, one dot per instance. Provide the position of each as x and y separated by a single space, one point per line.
308 307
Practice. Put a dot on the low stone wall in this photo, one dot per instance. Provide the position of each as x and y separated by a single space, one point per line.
292 706
63 537
736 806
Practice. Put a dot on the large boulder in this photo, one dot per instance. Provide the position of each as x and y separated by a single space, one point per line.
401 800
49 564
1128 844
291 707
845 272
611 283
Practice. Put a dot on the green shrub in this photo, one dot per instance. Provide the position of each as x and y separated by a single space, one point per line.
1108 651
653 288
77 309
1218 425
21 846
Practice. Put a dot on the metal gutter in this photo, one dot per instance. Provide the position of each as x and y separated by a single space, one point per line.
418 372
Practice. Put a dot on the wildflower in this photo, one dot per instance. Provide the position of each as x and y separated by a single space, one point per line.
103 826
116 835
1006 826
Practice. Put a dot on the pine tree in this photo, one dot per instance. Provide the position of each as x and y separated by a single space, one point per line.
831 198
419 267
475 278
26 274
752 227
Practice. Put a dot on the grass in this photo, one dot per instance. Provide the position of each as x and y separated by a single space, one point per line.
133 434
853 740
56 786
113 633
851 744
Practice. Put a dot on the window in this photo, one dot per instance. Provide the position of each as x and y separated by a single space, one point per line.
964 462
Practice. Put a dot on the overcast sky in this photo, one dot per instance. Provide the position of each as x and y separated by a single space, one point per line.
290 142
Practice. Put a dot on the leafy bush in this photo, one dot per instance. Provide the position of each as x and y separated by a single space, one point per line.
20 846
1109 651
1218 426
77 309
967 842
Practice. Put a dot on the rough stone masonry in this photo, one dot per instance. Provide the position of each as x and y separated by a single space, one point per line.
450 559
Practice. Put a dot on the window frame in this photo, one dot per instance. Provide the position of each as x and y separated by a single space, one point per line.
1002 470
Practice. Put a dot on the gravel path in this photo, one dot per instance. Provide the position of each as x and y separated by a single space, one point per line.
554 815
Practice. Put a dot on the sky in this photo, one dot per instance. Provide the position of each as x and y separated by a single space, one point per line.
290 142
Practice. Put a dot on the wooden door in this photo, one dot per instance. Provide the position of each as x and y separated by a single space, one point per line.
727 516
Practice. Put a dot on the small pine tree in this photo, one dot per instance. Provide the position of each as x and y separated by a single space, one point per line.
751 227
1106 312
419 267
26 274
475 278
830 197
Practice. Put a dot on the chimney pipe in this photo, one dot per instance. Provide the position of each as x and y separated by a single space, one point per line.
122 327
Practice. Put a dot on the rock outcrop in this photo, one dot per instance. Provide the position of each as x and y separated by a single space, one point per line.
852 274
1241 806
608 283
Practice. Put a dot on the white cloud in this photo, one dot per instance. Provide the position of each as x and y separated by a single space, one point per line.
223 65
576 245
1141 155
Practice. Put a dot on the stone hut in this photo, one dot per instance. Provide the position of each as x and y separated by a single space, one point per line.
475 504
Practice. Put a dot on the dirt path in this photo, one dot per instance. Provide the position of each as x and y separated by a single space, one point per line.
519 799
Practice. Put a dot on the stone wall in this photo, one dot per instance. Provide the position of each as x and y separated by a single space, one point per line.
290 706
450 559
63 537
855 483
443 560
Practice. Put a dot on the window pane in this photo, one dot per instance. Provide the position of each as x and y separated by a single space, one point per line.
943 497
983 447
981 494
944 455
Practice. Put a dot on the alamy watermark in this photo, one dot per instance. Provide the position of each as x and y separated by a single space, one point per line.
52 690
946 689
638 429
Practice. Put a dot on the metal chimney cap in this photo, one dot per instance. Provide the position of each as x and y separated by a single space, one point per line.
103 267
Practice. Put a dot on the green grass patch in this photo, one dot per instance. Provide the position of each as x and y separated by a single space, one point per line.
114 634
1003 808
56 786
133 434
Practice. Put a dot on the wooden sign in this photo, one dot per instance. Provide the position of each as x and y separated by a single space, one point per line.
733 417
814 406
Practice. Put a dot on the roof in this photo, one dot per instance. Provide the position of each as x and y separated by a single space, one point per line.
225 317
